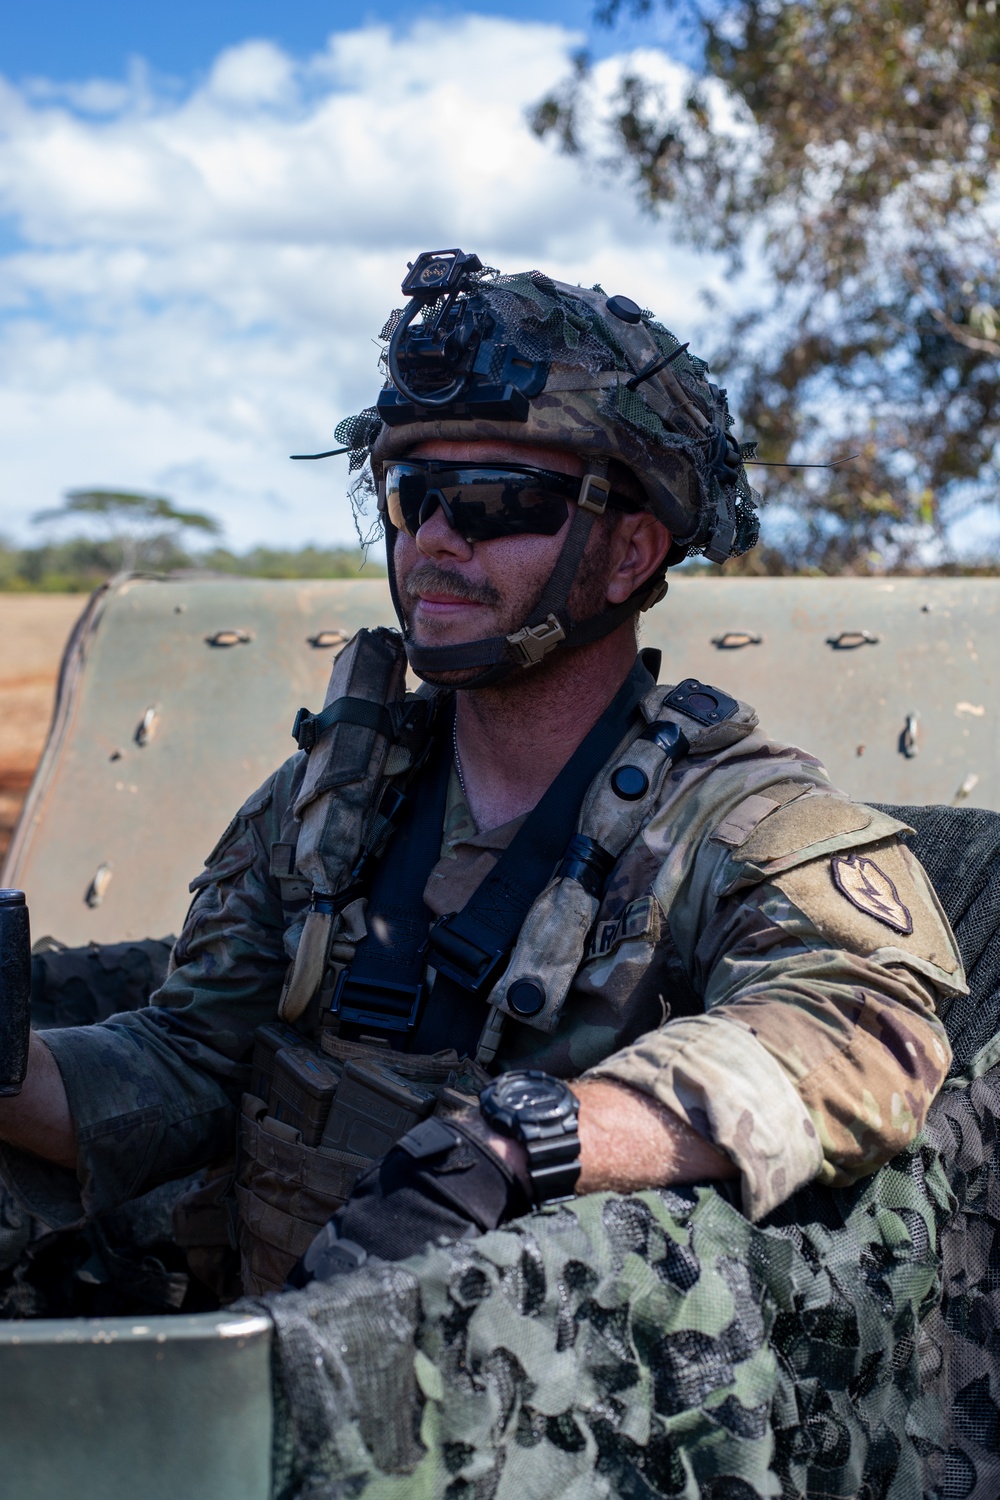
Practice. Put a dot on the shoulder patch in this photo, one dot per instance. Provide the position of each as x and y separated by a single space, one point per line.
875 898
871 890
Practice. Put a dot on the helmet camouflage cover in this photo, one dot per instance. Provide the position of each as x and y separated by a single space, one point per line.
543 362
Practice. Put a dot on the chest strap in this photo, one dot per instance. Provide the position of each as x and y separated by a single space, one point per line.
470 948
383 988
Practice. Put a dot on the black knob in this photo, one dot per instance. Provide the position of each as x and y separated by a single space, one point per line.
526 998
629 783
625 309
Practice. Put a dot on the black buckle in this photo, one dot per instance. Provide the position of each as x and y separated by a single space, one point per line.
469 966
304 730
380 1003
328 903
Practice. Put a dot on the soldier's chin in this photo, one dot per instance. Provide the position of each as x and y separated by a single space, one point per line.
456 680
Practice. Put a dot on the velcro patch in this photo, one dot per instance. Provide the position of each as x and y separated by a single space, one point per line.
738 824
807 821
282 860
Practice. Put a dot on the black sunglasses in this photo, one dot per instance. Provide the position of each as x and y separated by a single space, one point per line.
482 501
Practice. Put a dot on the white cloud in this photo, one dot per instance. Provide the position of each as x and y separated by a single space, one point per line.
195 281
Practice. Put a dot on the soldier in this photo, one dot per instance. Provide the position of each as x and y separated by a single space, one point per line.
661 947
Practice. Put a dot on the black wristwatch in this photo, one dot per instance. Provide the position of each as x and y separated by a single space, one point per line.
540 1112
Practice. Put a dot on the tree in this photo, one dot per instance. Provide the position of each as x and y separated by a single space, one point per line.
853 148
143 529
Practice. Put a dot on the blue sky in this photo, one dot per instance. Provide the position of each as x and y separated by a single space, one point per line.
66 39
206 211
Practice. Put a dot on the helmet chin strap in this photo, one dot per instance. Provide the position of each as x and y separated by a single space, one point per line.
549 625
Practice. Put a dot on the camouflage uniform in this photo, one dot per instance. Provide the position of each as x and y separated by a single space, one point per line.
765 961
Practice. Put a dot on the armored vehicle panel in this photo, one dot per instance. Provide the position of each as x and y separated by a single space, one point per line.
177 697
175 701
136 1409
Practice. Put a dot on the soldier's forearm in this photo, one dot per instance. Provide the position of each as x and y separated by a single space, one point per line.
38 1118
629 1141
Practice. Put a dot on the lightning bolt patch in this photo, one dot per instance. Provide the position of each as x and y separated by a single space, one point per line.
869 889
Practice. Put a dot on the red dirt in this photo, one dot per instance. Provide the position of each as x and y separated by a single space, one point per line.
33 632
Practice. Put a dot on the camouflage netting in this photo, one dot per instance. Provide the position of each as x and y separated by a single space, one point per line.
671 427
652 1345
79 986
662 1345
649 1345
960 1349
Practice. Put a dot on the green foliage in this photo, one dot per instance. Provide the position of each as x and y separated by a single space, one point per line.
120 506
855 147
141 528
305 562
81 564
144 532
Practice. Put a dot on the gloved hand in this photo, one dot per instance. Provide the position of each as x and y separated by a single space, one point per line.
439 1180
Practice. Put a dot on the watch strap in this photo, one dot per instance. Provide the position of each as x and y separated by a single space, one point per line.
554 1165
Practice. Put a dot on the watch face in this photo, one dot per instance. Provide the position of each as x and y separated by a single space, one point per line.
537 1099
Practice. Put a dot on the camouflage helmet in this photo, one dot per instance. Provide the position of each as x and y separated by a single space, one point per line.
526 359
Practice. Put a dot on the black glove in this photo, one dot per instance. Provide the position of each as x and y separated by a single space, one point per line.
439 1180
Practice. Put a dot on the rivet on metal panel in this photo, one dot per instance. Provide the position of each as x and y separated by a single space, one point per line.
908 744
146 727
735 640
968 785
97 889
323 640
850 640
229 638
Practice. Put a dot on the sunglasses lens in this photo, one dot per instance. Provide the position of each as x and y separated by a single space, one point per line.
405 493
481 503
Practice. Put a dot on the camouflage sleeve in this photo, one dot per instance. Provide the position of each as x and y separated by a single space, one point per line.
154 1092
819 948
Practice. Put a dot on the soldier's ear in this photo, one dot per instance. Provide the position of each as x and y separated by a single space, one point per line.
639 544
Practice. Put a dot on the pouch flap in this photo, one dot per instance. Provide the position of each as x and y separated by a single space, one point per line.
237 859
371 667
807 828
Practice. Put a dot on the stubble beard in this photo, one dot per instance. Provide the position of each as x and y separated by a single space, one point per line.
588 597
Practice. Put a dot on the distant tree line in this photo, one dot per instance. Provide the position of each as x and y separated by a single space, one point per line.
148 533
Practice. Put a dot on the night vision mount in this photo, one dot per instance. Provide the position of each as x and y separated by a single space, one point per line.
455 362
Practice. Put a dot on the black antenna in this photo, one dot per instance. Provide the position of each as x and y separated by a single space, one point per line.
333 453
774 463
653 368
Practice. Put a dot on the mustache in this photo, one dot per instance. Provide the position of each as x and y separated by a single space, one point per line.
428 577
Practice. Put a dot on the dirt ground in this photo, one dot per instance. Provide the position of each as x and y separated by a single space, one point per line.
33 632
